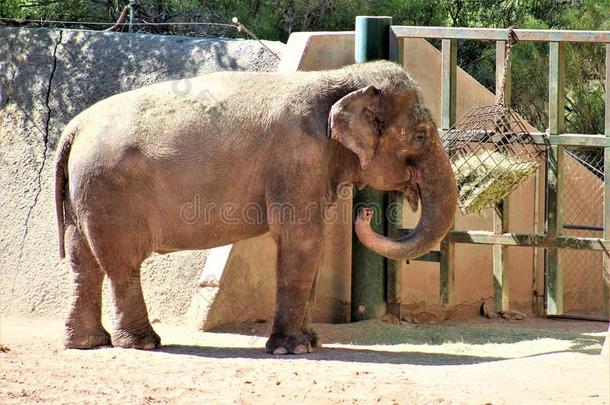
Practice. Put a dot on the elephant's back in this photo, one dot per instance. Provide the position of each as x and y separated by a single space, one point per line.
198 128
215 123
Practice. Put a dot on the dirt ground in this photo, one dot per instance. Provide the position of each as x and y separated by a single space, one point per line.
480 362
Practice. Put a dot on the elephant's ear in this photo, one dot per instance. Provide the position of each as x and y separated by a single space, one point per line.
355 122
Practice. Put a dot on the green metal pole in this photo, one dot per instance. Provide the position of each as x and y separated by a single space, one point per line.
368 268
606 257
372 38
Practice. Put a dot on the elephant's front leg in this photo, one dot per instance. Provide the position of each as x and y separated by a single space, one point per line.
298 260
308 329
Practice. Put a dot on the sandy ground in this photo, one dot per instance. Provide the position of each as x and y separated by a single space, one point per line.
480 362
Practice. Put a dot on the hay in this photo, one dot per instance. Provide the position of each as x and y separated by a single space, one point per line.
485 178
491 153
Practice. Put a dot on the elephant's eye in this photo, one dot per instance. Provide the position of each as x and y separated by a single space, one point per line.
420 135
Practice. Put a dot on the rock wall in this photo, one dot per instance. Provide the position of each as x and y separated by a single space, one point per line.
46 78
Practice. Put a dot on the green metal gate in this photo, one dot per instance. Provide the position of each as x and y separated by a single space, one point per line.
563 239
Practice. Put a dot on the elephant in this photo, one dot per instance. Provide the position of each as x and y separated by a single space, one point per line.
127 167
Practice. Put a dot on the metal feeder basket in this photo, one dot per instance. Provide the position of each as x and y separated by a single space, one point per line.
491 153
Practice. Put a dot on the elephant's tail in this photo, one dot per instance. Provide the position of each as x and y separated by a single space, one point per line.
61 179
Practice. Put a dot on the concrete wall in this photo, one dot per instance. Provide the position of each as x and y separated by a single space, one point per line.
47 77
311 51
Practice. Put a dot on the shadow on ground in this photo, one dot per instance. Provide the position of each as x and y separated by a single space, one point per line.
375 332
452 344
332 354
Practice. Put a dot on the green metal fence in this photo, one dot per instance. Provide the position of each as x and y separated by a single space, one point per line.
583 196
555 237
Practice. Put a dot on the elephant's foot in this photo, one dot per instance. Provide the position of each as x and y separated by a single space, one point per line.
148 340
292 344
312 335
97 338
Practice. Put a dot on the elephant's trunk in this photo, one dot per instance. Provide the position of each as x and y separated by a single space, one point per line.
438 195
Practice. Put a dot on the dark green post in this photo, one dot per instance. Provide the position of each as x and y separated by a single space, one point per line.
368 268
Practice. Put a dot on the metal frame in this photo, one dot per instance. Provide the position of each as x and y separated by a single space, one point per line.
555 139
495 34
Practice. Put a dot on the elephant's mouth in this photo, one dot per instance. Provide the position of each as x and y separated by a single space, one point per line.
403 187
411 191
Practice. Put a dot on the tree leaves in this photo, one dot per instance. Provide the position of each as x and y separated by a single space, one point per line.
276 19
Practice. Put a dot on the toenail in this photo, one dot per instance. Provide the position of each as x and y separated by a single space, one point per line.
300 349
280 350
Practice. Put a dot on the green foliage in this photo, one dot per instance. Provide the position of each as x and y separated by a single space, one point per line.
56 9
276 19
585 70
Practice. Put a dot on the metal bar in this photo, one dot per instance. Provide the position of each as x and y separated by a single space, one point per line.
579 317
501 213
447 272
433 256
554 193
448 108
583 227
369 282
372 37
393 286
394 266
500 259
529 240
598 141
534 240
607 118
606 232
556 88
393 282
554 269
536 307
575 140
494 34
448 88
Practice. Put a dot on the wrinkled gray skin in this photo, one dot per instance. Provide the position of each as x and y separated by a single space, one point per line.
149 171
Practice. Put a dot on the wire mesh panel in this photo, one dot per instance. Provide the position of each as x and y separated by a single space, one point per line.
491 153
583 205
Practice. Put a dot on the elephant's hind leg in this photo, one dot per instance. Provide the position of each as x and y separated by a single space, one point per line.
84 328
131 327
118 258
